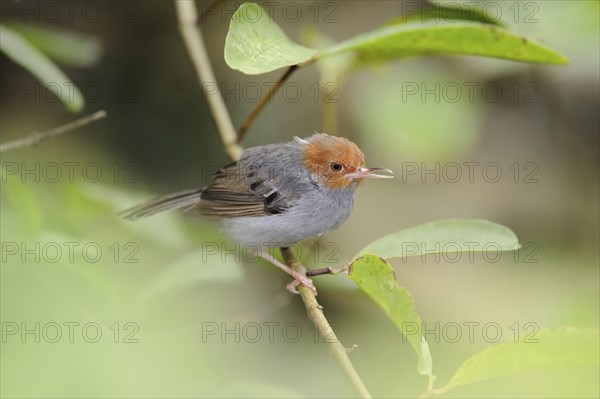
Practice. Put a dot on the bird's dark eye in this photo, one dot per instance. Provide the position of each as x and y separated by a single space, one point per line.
336 166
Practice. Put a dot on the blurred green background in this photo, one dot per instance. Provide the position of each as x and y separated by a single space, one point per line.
177 320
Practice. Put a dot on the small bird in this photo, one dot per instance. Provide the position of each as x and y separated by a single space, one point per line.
278 194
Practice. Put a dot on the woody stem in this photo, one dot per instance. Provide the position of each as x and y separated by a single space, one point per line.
316 315
187 15
35 138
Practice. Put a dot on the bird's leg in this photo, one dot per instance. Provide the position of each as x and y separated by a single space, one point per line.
298 277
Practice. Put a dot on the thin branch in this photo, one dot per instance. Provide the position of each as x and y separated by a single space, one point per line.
319 272
265 100
36 137
187 15
328 270
315 313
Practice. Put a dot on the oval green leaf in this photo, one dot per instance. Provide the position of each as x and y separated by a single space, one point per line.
255 44
376 278
567 347
23 53
447 236
409 40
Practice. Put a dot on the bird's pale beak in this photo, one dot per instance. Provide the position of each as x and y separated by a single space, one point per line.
369 173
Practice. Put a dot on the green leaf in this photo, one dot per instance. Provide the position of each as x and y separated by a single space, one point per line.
67 47
376 278
567 347
23 53
445 236
255 44
408 40
440 12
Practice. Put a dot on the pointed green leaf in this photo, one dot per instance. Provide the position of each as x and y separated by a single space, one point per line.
445 236
409 40
255 44
23 53
375 277
568 347
440 12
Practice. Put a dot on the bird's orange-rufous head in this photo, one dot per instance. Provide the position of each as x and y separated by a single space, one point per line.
337 162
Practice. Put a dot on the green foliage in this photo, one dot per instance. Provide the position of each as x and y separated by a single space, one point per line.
408 40
255 44
376 278
567 347
47 72
454 235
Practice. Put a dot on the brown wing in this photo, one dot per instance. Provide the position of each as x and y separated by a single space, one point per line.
237 191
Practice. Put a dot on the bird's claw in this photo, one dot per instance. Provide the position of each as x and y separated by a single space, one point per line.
305 281
299 278
292 287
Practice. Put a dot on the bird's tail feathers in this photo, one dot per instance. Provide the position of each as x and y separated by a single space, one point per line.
181 200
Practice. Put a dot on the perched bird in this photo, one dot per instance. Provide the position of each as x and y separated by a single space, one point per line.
278 194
